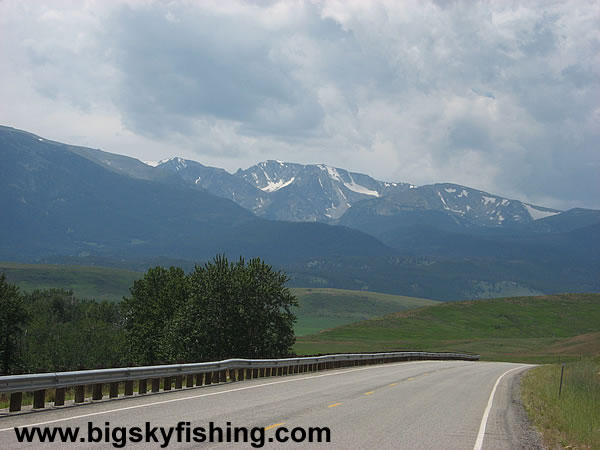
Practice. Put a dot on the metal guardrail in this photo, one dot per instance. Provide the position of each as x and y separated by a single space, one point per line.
205 373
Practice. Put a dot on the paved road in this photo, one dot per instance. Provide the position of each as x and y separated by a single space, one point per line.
426 404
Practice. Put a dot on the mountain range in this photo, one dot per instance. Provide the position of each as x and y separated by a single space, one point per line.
326 226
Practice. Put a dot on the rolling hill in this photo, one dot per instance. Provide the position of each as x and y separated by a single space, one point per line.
536 329
327 308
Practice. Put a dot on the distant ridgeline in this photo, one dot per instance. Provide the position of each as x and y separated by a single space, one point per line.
325 226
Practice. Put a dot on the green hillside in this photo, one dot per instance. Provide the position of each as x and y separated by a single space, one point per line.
98 283
514 329
327 308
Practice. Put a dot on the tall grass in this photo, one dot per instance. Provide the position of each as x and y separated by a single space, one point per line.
573 419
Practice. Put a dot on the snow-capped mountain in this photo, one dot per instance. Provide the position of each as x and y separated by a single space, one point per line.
321 193
311 192
214 180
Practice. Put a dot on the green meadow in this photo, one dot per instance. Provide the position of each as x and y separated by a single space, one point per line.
321 309
529 329
99 283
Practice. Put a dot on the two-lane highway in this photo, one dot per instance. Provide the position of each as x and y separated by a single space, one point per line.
426 404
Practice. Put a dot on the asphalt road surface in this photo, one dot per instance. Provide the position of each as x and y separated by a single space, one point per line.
425 404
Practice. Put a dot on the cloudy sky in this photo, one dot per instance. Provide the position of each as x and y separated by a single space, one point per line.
503 96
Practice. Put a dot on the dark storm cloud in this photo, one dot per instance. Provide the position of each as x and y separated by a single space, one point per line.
176 68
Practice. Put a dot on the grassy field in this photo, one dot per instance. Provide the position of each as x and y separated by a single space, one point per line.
534 329
98 283
321 309
573 419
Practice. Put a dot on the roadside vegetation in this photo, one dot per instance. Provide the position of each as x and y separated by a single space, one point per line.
527 329
219 310
571 420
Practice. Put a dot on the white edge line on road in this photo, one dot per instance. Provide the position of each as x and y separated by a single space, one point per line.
486 413
207 395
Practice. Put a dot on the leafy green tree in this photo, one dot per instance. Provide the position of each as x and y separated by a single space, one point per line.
65 333
13 317
152 303
234 310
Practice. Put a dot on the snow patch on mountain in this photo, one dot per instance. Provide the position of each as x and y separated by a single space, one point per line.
360 189
487 200
333 173
273 186
442 199
537 213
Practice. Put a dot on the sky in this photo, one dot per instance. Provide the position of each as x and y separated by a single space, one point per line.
502 96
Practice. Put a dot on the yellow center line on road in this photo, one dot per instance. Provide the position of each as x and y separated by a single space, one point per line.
410 379
334 405
393 384
275 425
369 393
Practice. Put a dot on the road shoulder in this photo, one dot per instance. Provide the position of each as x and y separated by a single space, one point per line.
509 425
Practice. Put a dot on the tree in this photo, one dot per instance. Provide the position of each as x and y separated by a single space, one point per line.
65 333
13 317
234 310
153 302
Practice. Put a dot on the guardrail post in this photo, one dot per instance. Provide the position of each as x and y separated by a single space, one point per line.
59 396
222 376
39 399
167 381
241 374
114 389
155 384
97 391
15 401
80 394
199 379
129 387
142 386
179 382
